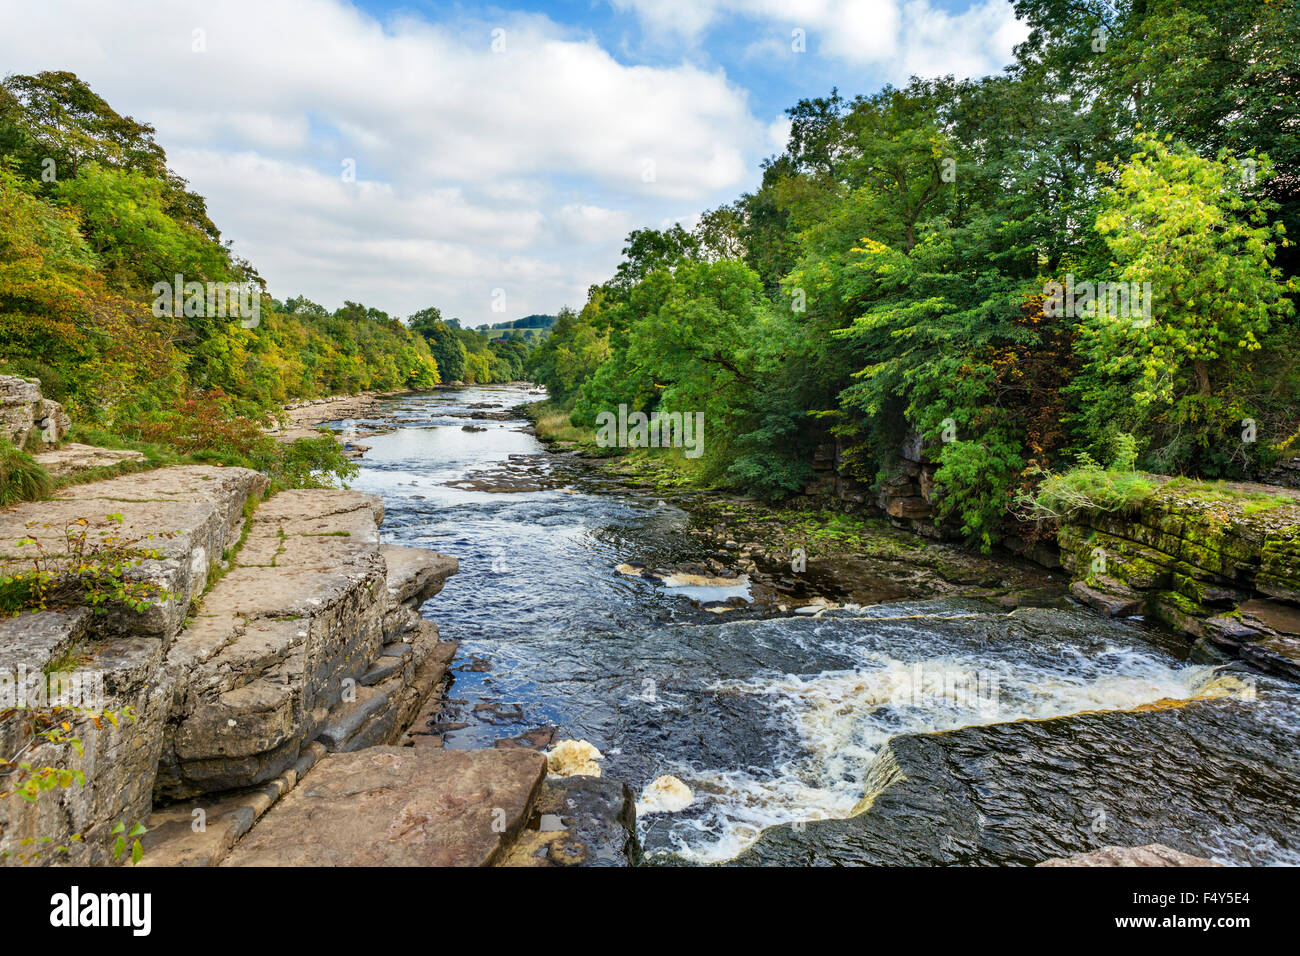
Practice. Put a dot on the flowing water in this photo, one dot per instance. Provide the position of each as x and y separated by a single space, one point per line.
770 721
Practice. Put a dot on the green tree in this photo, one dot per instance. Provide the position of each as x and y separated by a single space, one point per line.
1181 223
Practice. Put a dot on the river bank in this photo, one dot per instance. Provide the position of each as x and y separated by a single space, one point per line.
1216 562
590 605
895 692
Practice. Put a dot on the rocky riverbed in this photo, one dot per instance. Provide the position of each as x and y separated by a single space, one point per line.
625 672
684 639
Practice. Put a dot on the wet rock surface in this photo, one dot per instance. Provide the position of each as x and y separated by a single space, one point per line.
579 821
1025 792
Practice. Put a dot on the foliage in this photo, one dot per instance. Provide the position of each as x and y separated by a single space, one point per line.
896 258
1089 487
1180 223
94 560
91 218
213 427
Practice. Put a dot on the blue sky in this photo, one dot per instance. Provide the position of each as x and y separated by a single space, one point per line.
773 82
460 155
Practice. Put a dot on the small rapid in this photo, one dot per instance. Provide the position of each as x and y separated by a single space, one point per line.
768 722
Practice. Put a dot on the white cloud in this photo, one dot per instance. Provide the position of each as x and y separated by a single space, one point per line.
582 223
900 36
466 159
521 169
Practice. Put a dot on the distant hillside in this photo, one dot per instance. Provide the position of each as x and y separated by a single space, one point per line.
530 328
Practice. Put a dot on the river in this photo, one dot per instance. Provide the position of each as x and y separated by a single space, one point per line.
778 722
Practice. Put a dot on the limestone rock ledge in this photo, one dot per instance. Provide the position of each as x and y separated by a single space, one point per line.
297 642
287 635
114 655
1222 567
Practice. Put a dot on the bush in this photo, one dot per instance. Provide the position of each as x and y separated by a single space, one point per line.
1090 488
213 427
309 463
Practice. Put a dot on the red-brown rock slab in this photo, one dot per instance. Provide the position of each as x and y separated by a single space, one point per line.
399 806
1153 854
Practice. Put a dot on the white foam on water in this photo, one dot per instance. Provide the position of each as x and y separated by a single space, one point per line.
843 718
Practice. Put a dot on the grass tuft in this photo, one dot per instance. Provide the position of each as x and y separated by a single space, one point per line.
21 478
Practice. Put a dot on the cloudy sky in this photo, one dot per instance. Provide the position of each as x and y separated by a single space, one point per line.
420 153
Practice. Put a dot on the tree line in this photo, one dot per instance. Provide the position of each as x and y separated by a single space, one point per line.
964 262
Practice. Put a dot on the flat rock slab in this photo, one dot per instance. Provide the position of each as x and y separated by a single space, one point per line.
398 806
416 574
1153 854
72 457
189 514
1282 618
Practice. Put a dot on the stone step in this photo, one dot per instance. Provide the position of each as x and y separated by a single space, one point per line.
382 710
396 806
202 831
230 680
414 576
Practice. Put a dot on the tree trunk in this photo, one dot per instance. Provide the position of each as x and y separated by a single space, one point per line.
1202 376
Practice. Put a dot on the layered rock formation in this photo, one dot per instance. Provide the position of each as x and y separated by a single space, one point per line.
26 418
279 637
907 495
1220 565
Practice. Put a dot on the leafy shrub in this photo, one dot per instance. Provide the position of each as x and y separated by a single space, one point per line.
96 560
310 463
214 427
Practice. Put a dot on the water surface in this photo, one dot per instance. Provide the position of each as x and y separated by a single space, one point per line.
768 721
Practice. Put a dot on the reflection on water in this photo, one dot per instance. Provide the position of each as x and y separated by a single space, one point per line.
766 721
